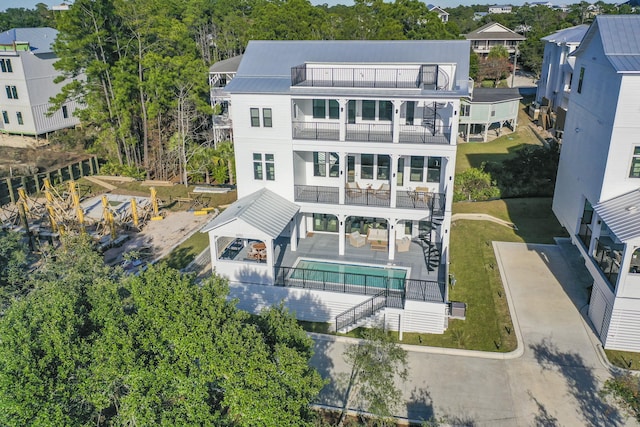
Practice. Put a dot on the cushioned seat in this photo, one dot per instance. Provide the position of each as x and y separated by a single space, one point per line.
357 240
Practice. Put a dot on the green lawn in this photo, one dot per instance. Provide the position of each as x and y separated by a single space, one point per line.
474 154
624 359
186 252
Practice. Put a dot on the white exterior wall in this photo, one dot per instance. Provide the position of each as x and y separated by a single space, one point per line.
33 77
554 78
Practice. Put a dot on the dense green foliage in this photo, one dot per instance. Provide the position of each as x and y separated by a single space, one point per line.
19 17
13 265
474 184
89 346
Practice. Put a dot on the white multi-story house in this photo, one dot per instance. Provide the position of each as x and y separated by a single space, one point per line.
345 155
27 82
557 65
500 8
220 74
597 196
491 35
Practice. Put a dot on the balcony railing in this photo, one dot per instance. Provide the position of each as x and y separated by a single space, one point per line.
411 199
609 259
316 130
360 284
407 78
431 134
316 194
370 132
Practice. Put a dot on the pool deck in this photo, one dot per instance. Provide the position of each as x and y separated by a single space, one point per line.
324 247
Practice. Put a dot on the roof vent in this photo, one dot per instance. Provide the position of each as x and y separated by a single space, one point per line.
632 208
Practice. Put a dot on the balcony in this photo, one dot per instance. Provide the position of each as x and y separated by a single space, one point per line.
316 130
370 132
430 134
405 199
430 77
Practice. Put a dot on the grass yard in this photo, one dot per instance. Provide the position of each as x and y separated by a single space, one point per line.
474 154
624 359
187 251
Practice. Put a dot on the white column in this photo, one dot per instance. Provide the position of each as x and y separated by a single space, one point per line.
394 180
392 224
343 118
303 225
342 156
396 121
341 234
213 251
293 243
400 326
270 259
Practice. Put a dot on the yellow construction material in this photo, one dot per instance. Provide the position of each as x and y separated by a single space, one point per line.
209 209
200 212
156 218
134 213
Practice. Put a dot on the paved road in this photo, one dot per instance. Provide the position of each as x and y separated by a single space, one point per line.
552 380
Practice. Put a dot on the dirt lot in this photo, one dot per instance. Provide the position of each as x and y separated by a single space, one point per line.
26 156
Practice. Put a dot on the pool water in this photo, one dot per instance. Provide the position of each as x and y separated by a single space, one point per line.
351 274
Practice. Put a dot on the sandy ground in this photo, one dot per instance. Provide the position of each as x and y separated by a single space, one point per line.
158 238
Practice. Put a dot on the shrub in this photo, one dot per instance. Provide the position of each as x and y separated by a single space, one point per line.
474 185
116 169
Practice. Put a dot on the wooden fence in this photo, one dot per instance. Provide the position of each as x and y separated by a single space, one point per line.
34 183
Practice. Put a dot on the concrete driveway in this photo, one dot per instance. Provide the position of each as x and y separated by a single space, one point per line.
552 379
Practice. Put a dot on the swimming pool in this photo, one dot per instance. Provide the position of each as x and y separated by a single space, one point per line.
349 274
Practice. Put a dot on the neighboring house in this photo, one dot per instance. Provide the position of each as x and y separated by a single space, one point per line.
479 15
220 74
27 82
493 34
345 153
554 84
597 195
442 14
500 8
488 109
540 3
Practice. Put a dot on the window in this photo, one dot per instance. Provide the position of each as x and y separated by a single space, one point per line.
65 112
635 163
366 166
417 169
384 164
433 169
257 166
580 80
19 117
266 117
12 92
368 110
319 111
386 110
270 166
325 222
255 118
334 109
5 65
465 110
334 164
319 164
5 117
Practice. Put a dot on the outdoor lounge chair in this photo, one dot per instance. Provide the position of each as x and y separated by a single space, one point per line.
353 189
403 244
383 192
357 240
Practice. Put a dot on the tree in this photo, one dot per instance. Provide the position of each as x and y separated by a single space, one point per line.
13 262
624 390
474 185
495 66
89 346
375 363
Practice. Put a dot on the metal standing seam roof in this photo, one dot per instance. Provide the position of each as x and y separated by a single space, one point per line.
488 95
40 39
620 37
264 210
568 35
229 65
622 215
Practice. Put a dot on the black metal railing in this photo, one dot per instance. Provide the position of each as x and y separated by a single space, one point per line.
362 310
367 197
369 132
316 194
428 134
584 233
360 284
407 78
413 199
316 130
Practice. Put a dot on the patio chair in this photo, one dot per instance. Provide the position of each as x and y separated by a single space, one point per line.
357 240
353 189
383 192
403 244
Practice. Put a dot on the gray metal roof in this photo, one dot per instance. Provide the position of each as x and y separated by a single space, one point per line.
620 37
568 35
40 39
264 210
622 215
268 63
482 34
486 95
226 65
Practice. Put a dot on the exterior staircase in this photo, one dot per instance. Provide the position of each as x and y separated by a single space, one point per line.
353 317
